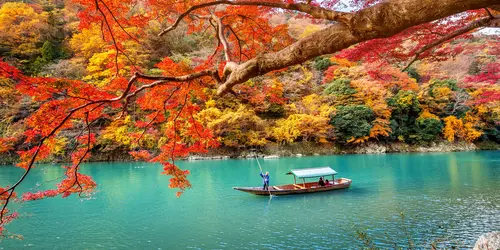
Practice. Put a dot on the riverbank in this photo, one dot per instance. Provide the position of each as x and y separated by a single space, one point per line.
295 149
310 148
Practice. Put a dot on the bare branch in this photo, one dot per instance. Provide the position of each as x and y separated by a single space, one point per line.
461 99
13 187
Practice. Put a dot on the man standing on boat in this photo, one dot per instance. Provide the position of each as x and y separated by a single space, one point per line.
265 180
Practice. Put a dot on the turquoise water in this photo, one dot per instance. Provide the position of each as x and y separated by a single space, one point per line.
453 197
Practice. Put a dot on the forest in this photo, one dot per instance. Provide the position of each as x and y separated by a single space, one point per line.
342 98
81 77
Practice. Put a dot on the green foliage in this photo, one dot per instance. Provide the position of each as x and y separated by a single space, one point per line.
412 72
474 68
404 102
340 87
322 63
492 134
446 83
36 66
175 43
428 129
48 50
352 121
273 111
488 145
405 110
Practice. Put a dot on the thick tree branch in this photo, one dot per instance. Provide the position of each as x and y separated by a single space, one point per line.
161 80
379 21
314 11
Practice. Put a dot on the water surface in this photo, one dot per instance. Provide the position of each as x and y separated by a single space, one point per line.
451 197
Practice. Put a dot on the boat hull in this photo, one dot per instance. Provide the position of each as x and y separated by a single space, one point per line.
310 187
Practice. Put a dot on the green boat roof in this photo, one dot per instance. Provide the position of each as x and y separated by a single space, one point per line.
313 172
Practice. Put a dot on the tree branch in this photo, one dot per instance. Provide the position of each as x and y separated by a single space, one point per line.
125 94
484 22
222 38
239 44
378 21
118 50
156 115
314 11
489 13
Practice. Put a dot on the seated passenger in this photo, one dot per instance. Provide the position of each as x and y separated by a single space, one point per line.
327 182
321 182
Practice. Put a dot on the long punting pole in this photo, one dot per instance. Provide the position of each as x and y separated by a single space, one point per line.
270 195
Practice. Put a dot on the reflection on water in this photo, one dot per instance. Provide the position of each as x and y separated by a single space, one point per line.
445 195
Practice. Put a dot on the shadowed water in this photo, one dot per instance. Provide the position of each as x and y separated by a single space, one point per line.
453 197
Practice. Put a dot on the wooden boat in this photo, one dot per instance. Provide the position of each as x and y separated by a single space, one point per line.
304 187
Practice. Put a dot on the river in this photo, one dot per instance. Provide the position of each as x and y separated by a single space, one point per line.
449 197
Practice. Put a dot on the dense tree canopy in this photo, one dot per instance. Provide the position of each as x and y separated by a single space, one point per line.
150 95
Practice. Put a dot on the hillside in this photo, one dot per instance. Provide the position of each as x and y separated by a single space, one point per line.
332 104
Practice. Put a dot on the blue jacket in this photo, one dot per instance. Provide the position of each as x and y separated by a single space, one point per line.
265 178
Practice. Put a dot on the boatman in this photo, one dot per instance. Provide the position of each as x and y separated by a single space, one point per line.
265 180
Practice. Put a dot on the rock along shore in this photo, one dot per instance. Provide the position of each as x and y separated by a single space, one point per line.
308 148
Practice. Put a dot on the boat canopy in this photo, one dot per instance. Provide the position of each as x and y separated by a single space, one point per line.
313 172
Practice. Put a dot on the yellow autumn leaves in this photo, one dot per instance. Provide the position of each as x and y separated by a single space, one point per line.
308 120
461 128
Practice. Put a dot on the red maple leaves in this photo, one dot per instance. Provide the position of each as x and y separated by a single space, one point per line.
73 183
490 74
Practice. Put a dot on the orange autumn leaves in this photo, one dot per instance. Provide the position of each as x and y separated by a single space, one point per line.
73 105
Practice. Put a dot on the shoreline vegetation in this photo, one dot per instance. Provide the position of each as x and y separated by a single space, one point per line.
298 149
